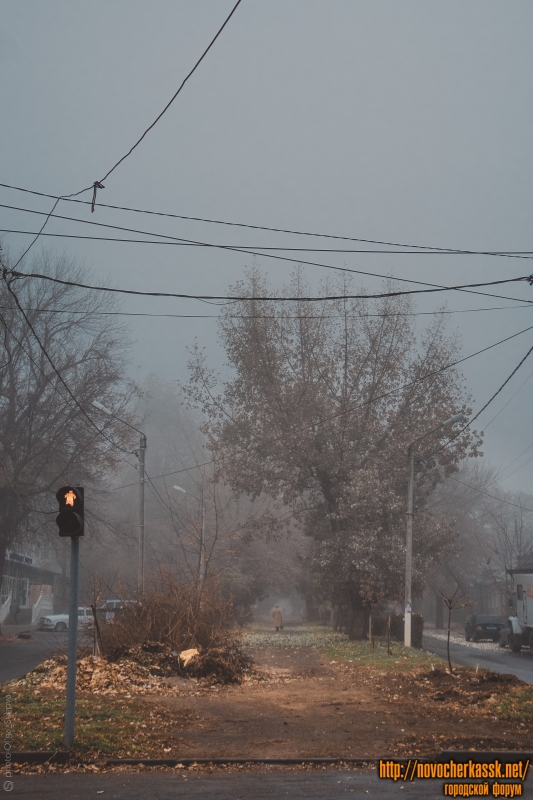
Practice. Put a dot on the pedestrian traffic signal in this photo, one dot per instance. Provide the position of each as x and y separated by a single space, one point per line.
70 519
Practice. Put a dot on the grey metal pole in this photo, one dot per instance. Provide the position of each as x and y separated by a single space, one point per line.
142 453
409 537
409 549
70 708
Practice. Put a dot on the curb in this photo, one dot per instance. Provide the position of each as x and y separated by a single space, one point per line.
459 756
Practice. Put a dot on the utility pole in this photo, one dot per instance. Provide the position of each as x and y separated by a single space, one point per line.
409 534
409 549
142 455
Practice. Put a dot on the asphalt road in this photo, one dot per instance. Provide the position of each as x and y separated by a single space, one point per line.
501 660
316 784
22 655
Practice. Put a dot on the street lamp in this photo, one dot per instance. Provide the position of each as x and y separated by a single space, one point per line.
141 457
409 537
201 559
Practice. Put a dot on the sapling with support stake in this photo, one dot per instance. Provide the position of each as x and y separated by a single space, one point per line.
457 599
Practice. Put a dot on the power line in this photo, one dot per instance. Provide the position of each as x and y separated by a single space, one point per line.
504 253
99 184
346 411
266 316
496 393
43 373
19 498
516 459
520 467
493 496
507 403
137 143
56 371
245 247
57 199
311 299
467 288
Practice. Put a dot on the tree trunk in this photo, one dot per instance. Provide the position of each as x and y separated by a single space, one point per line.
311 608
358 628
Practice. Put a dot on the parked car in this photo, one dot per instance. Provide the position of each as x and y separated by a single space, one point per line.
113 609
483 626
59 622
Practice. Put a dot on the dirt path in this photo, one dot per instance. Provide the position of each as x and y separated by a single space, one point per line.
309 706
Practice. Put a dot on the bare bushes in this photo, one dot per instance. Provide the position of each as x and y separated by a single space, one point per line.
173 617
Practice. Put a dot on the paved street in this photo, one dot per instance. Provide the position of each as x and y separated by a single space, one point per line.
498 660
316 784
22 655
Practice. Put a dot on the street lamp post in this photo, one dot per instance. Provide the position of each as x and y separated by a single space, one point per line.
409 535
141 455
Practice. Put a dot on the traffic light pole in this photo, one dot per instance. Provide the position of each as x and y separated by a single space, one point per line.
70 709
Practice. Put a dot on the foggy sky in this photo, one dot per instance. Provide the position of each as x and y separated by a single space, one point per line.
407 122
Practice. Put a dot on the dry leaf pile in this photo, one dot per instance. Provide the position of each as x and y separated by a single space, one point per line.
98 676
143 670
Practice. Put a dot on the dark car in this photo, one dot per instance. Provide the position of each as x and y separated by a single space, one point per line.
483 626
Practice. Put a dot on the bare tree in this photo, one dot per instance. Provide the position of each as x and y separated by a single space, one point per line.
454 599
49 435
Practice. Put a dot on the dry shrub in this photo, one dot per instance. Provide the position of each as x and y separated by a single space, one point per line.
172 617
220 664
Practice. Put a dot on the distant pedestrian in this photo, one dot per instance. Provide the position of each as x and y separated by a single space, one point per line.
277 616
14 609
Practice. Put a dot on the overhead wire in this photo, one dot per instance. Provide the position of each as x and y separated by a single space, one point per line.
520 467
271 316
192 71
503 253
19 498
516 459
56 371
98 184
493 496
468 288
481 410
507 403
246 247
283 299
45 376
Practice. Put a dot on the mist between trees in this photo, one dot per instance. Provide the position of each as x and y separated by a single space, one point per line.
307 442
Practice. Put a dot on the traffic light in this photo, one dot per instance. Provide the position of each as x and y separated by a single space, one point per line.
70 520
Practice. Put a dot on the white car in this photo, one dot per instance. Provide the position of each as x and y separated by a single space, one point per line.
59 622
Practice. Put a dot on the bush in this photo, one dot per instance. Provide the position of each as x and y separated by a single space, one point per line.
170 613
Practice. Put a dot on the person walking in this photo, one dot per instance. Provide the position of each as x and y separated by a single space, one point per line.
277 616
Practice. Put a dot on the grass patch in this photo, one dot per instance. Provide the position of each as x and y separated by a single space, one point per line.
516 705
103 727
337 647
401 658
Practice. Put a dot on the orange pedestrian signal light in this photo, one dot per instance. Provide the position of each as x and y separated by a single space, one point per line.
70 519
70 497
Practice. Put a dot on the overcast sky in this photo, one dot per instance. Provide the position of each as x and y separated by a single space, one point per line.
399 121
